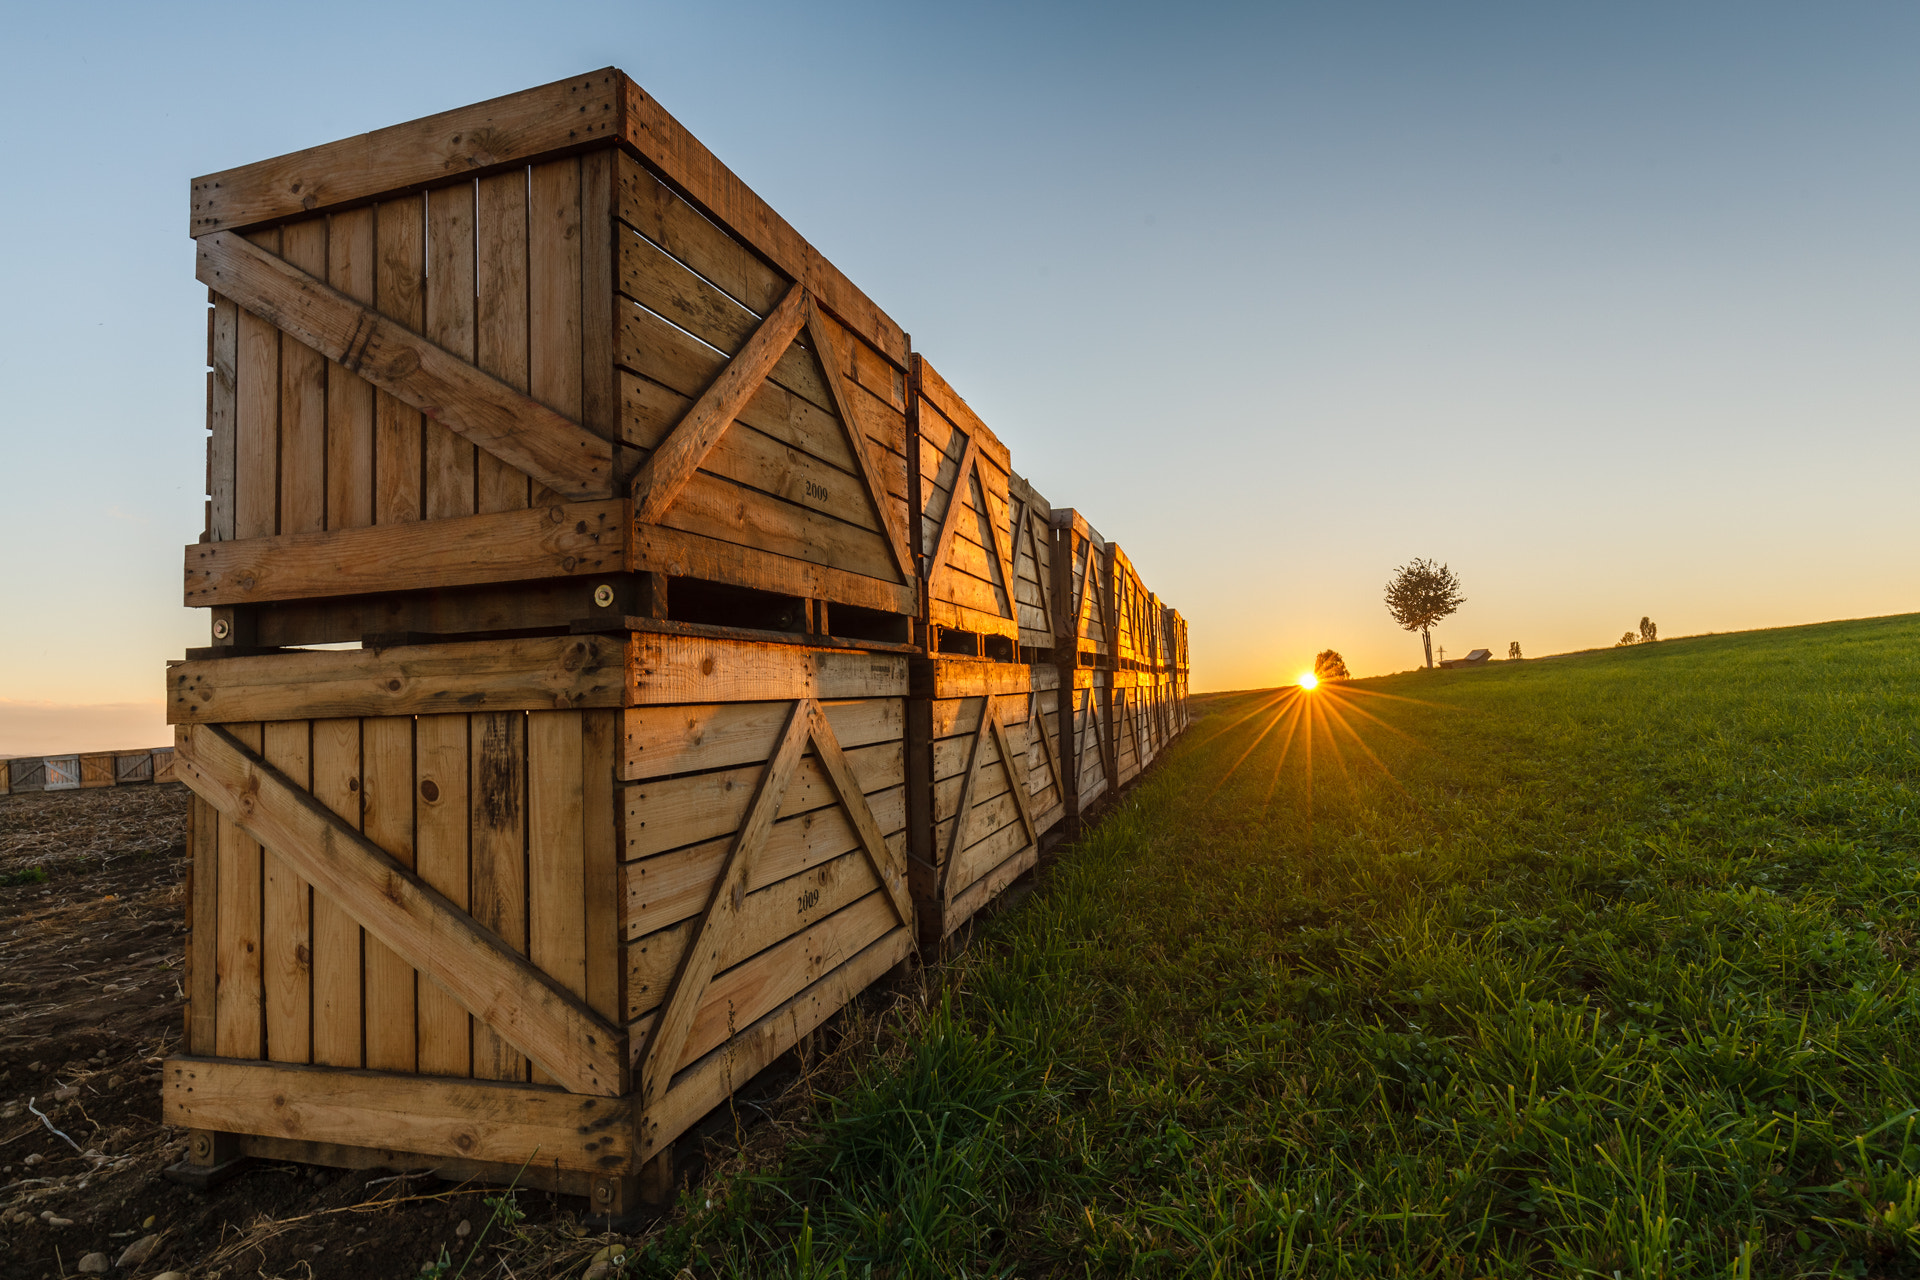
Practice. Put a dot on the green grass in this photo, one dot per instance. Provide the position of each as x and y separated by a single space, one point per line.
1590 966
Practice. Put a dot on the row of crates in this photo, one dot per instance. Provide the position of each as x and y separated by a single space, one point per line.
625 649
85 770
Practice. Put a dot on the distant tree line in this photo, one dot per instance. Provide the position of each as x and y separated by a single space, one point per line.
1648 634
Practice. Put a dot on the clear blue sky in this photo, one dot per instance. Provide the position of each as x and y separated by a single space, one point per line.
1613 307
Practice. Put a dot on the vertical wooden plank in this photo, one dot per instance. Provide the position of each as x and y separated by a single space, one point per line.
600 844
500 286
303 398
386 808
238 1030
556 863
553 290
288 942
203 915
336 938
350 259
441 832
223 362
600 384
498 852
256 461
399 293
450 459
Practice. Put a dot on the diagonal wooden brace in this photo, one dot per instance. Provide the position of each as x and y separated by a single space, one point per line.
1017 781
512 426
673 463
886 864
820 331
497 985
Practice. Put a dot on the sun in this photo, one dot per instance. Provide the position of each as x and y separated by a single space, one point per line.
1308 680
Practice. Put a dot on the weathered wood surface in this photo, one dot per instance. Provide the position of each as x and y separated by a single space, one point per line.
470 1119
499 987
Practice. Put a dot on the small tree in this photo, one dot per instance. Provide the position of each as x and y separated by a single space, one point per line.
1419 594
1626 638
1648 632
1329 665
1513 650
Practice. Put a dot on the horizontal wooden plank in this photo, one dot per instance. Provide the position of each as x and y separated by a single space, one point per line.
669 669
491 414
532 674
767 917
761 524
654 210
670 887
562 540
424 1115
943 677
969 901
499 987
959 717
680 554
662 741
513 130
665 813
705 1084
935 388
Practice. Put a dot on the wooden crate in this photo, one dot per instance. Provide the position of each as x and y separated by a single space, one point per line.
62 773
1128 611
975 799
132 766
1082 628
452 903
1030 526
534 361
964 518
27 773
6 777
163 765
1087 740
96 769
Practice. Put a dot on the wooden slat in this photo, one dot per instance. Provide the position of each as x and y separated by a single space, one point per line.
495 416
672 669
600 381
494 983
287 920
667 471
500 279
513 130
222 372
256 454
554 289
387 791
400 296
508 1124
203 916
600 859
680 554
337 942
654 210
350 269
440 838
670 1032
666 813
239 1028
499 867
556 851
303 399
567 540
535 673
450 459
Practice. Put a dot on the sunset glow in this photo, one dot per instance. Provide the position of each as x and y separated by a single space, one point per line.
1308 680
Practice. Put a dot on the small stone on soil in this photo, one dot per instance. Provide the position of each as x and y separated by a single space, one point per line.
94 1264
464 1230
139 1251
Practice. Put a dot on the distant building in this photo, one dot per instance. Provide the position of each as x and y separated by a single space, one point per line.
1473 659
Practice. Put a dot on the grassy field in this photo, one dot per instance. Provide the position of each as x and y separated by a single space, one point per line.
1600 965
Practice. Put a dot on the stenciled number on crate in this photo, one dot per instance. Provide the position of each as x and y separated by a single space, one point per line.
807 725
670 466
1017 784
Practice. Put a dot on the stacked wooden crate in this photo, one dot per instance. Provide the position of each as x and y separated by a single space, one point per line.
711 655
983 734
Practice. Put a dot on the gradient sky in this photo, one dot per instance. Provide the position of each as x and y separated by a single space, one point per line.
1611 307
